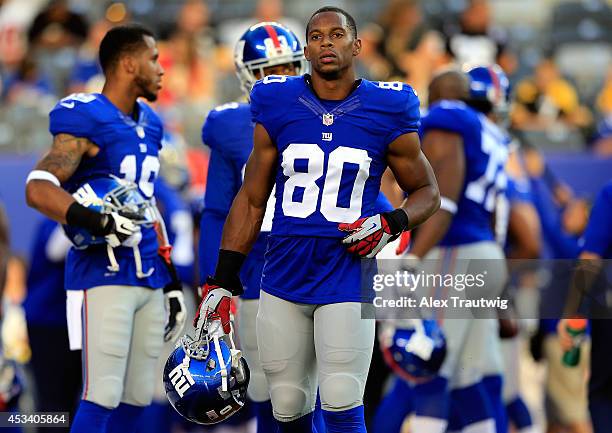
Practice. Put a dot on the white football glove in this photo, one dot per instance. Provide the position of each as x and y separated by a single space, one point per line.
176 314
369 235
119 229
215 303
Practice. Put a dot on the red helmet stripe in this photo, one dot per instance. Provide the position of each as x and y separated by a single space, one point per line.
273 35
496 83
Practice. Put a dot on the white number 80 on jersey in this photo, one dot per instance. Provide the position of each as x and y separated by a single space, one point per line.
331 187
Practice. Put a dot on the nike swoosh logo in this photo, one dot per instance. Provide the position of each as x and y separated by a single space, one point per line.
374 226
67 104
126 227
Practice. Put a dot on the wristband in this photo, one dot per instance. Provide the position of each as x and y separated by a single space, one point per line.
43 175
397 220
448 205
80 216
227 273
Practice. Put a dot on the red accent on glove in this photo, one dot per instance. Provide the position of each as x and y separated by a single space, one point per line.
165 252
404 243
364 246
222 311
205 289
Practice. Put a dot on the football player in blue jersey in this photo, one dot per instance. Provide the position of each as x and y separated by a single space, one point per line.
56 369
468 152
595 259
323 140
228 132
97 135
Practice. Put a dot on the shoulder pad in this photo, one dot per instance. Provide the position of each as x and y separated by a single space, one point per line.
275 87
76 114
271 96
393 93
395 104
448 115
228 129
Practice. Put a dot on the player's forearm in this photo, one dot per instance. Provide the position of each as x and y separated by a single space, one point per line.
421 204
390 188
48 199
243 224
430 233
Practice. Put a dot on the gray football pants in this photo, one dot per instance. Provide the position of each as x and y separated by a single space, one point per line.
246 326
303 345
123 334
473 345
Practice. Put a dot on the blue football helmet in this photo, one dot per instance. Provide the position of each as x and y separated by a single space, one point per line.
414 352
206 379
489 89
263 45
106 195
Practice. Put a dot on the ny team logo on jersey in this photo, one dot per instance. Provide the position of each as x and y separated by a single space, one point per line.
181 378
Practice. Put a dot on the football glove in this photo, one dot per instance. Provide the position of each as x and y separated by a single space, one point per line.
118 227
173 298
216 302
176 313
370 235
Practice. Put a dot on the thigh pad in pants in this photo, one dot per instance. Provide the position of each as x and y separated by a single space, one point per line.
286 351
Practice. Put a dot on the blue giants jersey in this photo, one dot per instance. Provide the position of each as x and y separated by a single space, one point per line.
228 132
45 303
128 149
598 234
485 147
331 156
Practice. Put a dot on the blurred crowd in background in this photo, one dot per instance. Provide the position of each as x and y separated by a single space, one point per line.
558 55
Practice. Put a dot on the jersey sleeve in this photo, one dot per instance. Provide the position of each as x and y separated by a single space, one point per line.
267 105
223 182
208 131
73 117
598 236
228 129
407 114
216 130
448 116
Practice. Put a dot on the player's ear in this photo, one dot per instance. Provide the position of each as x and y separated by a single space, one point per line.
128 63
356 47
306 53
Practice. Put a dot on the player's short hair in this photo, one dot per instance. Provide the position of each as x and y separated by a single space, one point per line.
349 19
120 40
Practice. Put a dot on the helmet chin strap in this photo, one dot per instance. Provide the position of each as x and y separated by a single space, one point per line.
114 265
222 365
138 262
